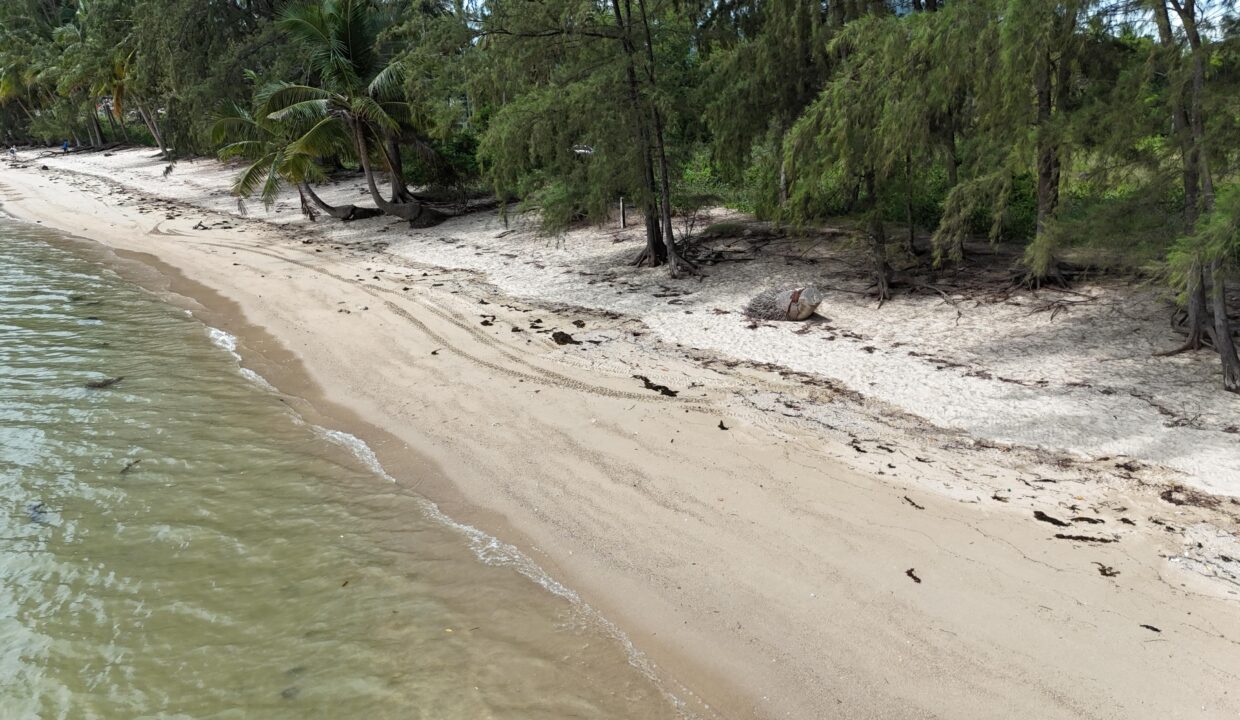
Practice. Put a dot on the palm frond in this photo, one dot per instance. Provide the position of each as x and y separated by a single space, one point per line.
304 111
285 94
300 168
388 83
356 32
311 26
401 111
235 124
275 179
317 27
328 137
246 149
372 113
253 177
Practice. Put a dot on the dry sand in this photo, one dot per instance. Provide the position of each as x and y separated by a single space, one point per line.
859 542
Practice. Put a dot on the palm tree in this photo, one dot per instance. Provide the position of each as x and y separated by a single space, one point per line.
282 153
356 94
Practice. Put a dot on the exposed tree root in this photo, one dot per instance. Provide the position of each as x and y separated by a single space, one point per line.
1030 280
677 264
1188 346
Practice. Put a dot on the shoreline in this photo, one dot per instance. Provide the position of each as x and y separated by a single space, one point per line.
754 566
281 373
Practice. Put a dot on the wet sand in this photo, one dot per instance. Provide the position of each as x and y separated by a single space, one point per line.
775 568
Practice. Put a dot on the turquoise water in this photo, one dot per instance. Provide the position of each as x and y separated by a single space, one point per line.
182 545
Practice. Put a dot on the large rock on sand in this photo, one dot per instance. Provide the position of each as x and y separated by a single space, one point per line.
776 304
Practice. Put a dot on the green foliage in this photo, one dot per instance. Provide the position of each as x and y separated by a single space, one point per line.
1217 239
550 81
790 109
761 73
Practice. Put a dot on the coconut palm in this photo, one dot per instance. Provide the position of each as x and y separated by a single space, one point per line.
282 152
356 93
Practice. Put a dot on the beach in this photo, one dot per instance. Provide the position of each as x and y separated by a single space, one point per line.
871 518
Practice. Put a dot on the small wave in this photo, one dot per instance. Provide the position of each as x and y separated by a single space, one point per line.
228 342
223 340
257 379
495 552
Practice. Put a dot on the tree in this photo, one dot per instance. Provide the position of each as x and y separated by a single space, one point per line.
540 64
843 132
1212 246
356 90
283 152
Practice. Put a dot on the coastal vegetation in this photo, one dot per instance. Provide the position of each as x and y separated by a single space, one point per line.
1097 136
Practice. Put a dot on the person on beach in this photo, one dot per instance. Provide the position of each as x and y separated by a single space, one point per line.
12 152
65 147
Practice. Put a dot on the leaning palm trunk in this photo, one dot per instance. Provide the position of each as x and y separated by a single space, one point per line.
396 167
153 126
340 212
415 212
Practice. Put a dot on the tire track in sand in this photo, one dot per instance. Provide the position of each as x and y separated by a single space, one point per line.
532 373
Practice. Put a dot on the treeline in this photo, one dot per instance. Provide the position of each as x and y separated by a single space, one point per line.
1099 133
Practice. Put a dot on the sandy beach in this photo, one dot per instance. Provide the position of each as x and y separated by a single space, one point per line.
890 513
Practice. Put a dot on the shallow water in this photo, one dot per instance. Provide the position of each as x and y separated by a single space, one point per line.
246 564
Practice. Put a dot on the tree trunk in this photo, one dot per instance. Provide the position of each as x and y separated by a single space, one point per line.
953 178
674 261
1195 312
153 126
340 212
1195 315
1050 81
910 240
1052 84
306 209
98 128
854 198
103 138
1048 156
112 125
120 123
1188 17
396 168
878 241
1179 120
416 213
655 251
953 163
25 109
1223 341
783 180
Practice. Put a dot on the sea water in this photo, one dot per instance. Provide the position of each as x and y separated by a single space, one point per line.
181 544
